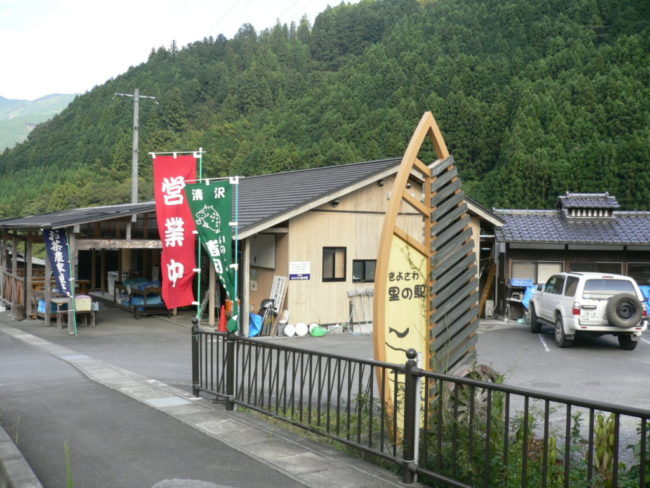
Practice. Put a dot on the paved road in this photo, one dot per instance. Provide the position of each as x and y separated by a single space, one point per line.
595 368
114 441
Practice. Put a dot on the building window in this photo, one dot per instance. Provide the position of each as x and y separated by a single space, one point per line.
640 272
333 264
538 271
554 285
363 270
578 266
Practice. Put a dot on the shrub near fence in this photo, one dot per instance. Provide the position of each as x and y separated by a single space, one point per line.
470 432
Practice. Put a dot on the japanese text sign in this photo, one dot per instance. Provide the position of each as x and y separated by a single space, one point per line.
176 227
56 243
211 204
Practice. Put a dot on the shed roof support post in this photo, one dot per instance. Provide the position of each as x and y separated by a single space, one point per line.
14 273
3 263
28 276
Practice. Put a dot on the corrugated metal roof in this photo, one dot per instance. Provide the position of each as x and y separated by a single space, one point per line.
75 216
551 226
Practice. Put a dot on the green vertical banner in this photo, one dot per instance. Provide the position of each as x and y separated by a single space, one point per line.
211 206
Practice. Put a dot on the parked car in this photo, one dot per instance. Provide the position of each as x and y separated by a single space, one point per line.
590 303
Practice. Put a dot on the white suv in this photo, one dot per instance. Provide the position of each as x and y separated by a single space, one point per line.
593 303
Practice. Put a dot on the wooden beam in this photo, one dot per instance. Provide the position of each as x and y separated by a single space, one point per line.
411 241
85 244
488 288
28 278
416 204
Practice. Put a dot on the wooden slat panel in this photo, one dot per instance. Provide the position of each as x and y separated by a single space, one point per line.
457 200
445 192
447 308
454 357
451 218
441 166
453 283
454 287
442 253
445 179
441 239
442 262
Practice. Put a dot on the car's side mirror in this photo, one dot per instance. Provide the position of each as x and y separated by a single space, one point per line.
540 287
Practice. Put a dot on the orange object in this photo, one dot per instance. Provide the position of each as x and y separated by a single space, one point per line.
229 307
222 320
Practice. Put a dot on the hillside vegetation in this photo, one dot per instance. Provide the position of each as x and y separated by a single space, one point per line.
533 98
19 117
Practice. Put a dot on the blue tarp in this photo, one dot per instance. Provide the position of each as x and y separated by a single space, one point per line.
255 325
528 294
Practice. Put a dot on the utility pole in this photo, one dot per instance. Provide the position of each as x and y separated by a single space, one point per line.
136 138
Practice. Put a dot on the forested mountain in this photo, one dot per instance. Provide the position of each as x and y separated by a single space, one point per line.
534 98
18 117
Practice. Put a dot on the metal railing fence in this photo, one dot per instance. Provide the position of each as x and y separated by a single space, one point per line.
446 430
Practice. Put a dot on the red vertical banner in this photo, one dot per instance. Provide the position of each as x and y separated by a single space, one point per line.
176 227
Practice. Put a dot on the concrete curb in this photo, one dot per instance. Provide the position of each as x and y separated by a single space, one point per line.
15 472
297 457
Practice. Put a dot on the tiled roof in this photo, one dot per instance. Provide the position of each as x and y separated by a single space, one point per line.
551 226
263 198
588 200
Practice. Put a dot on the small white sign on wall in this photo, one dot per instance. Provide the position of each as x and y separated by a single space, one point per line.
299 270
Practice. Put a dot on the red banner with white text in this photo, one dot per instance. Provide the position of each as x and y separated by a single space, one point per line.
176 227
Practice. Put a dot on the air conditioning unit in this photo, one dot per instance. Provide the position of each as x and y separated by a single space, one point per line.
489 308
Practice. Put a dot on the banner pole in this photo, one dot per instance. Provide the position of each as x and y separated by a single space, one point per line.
236 303
198 252
72 320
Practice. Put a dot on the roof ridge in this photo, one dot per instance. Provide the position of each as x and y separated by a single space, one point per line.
526 211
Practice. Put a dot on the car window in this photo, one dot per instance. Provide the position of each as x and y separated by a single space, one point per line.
554 284
609 286
571 286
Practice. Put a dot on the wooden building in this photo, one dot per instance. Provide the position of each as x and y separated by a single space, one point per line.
586 232
316 229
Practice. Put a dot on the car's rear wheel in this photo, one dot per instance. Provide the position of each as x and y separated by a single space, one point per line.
535 326
626 342
560 337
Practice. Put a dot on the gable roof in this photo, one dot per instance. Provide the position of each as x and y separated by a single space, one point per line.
264 200
552 226
268 200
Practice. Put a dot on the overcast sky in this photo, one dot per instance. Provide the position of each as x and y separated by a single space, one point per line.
70 46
